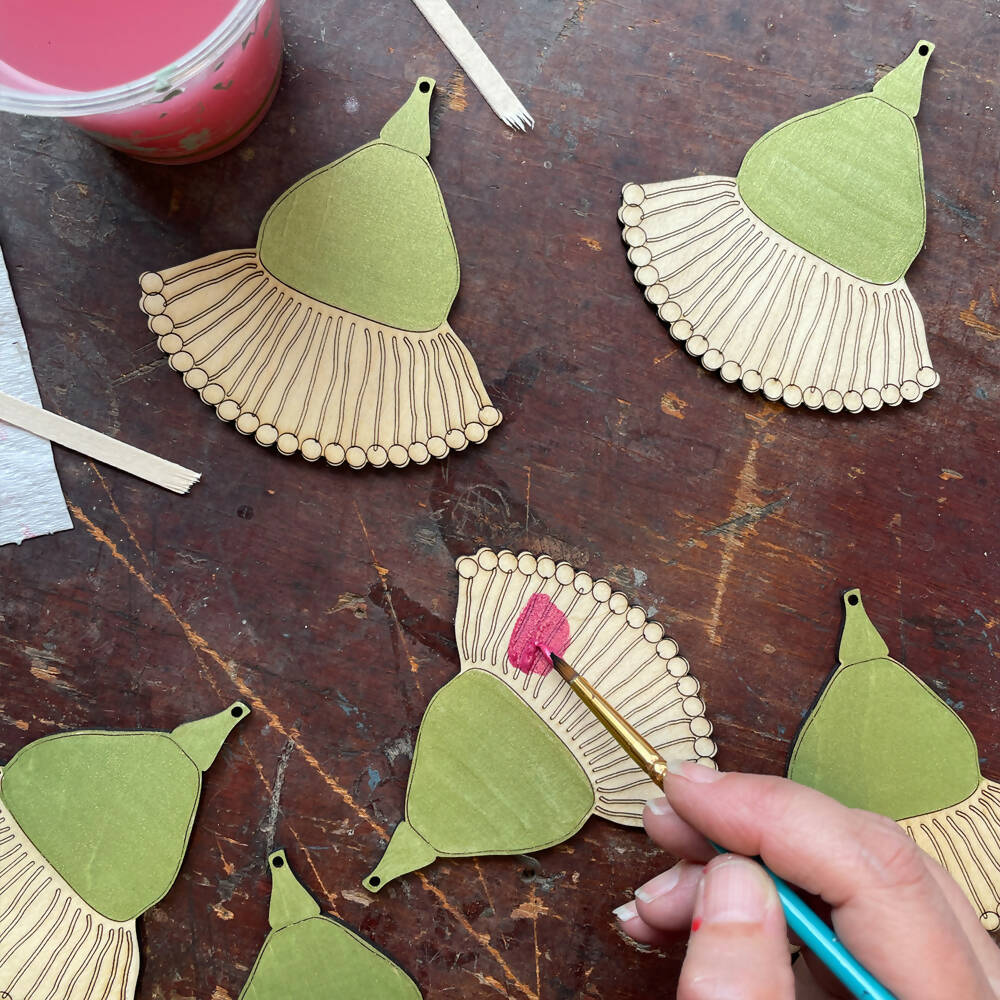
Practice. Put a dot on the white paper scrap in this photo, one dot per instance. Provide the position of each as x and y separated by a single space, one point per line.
31 499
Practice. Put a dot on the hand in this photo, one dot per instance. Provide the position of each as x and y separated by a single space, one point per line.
898 912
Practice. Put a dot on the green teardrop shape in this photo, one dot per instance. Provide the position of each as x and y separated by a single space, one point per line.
488 777
369 233
111 812
846 182
879 738
310 956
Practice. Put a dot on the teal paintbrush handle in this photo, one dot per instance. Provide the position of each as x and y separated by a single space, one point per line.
820 939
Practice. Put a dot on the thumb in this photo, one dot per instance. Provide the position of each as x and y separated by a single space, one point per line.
739 947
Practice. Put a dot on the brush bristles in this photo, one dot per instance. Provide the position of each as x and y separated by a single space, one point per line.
566 672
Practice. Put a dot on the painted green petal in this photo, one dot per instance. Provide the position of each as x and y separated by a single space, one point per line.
369 234
846 182
880 739
309 956
112 812
488 777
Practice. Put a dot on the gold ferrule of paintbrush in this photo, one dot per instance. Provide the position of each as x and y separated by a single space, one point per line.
628 738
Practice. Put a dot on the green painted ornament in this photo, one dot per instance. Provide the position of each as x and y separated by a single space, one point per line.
308 956
331 337
880 739
95 828
507 760
788 278
487 778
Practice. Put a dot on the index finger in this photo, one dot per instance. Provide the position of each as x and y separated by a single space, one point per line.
887 909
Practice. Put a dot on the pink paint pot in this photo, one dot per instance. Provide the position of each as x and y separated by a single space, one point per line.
173 83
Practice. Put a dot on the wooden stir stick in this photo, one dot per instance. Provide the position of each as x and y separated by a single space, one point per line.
95 445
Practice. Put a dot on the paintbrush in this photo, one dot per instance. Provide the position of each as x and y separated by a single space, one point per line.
814 932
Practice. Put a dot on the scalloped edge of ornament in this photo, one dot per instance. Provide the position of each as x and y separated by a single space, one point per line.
626 655
373 371
683 322
50 919
946 835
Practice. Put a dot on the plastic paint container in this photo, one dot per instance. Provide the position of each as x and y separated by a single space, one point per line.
167 85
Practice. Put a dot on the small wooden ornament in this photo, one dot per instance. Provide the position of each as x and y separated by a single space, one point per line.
331 337
788 278
508 760
879 739
309 956
94 826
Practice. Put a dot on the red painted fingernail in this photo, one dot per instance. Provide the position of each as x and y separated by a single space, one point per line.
696 923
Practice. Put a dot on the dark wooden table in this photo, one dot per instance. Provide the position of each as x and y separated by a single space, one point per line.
326 597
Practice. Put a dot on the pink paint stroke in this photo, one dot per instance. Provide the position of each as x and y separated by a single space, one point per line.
541 627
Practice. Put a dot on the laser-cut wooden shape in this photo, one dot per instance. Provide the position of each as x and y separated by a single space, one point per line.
789 277
332 337
508 760
309 956
93 830
880 739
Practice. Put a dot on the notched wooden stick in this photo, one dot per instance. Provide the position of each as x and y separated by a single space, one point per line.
95 445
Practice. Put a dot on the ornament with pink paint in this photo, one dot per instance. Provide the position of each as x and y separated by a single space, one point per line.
508 761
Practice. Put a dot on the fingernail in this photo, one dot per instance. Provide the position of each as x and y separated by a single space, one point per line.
690 770
660 807
659 886
626 913
734 890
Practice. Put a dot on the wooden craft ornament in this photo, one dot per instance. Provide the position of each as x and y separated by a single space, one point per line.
331 337
880 739
508 760
789 277
94 826
309 956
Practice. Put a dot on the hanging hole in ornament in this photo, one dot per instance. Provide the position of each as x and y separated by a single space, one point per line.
237 712
852 600
425 86
374 881
278 862
923 50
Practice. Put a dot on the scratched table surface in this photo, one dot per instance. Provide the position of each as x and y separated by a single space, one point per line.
325 597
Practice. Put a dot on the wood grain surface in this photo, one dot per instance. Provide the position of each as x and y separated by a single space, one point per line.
325 598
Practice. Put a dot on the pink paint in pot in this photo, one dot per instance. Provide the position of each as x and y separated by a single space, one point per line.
540 626
172 84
